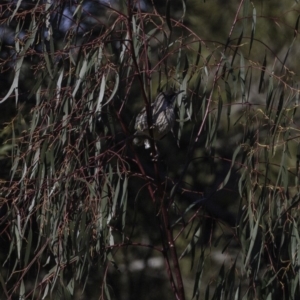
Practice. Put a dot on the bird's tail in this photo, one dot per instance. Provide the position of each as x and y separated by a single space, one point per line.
140 140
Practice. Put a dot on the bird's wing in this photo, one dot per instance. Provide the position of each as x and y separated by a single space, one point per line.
141 123
159 104
140 120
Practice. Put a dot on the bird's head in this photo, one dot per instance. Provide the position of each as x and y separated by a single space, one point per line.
171 95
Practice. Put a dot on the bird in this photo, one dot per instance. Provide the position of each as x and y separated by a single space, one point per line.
163 118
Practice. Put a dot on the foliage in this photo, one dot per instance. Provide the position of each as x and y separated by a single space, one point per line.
81 206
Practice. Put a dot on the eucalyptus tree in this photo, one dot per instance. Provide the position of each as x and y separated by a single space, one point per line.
208 212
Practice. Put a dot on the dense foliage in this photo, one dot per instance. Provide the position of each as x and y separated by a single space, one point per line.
210 211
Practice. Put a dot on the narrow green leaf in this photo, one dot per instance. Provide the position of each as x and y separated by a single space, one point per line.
198 54
115 89
270 95
168 17
269 282
18 238
287 54
253 235
253 28
11 15
183 8
116 195
237 295
48 63
242 77
198 276
71 286
263 70
230 281
78 12
229 99
46 290
237 150
296 27
106 290
101 95
186 67
217 122
237 47
22 290
20 58
246 6
192 244
207 292
28 247
296 101
279 111
81 75
297 164
218 239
